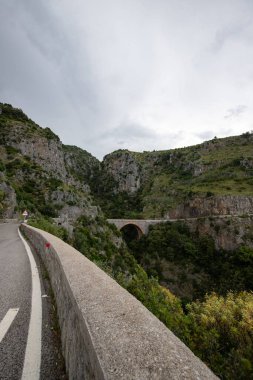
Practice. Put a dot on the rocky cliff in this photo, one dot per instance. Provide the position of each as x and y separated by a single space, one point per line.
125 170
215 177
228 233
39 173
41 145
218 205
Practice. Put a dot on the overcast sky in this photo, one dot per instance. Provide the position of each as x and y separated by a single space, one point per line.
135 74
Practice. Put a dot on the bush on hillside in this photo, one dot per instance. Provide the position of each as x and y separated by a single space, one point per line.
49 226
221 333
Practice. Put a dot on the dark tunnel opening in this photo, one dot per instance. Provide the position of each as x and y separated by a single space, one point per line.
131 232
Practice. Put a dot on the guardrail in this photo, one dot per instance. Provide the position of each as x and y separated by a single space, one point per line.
106 332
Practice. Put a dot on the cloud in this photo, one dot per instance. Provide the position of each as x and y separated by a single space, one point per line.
130 131
205 135
236 111
228 33
129 135
140 74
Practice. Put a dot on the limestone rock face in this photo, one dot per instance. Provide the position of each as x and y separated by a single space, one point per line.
125 170
228 232
80 163
214 205
9 202
72 204
41 174
46 152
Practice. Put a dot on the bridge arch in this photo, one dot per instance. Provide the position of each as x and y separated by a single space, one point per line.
132 230
142 225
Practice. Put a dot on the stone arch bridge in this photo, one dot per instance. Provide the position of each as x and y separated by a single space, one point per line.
141 225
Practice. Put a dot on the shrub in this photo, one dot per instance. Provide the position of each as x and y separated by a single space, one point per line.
49 226
221 333
160 301
2 195
2 166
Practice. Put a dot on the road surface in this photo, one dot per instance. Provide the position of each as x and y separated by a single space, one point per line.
29 342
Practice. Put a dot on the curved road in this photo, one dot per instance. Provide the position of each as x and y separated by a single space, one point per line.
22 355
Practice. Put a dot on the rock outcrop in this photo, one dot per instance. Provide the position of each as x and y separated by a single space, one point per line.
9 202
41 174
33 142
214 205
228 233
125 170
215 177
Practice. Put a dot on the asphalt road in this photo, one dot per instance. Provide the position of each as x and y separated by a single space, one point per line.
16 278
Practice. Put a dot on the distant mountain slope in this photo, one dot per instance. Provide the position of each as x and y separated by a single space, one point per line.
212 178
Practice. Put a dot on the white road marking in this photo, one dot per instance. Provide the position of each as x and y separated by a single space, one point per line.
31 368
7 321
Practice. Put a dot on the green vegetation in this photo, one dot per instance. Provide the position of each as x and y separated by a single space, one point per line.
81 164
10 117
217 328
101 243
188 263
2 196
214 317
170 178
10 112
221 333
49 226
114 204
31 184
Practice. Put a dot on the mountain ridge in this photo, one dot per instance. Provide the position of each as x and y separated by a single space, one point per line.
212 178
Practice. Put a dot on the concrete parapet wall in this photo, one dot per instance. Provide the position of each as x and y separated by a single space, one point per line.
106 332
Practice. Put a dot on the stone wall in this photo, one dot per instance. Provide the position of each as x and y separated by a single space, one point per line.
106 333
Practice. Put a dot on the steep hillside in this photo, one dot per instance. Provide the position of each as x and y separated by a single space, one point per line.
213 178
39 173
80 164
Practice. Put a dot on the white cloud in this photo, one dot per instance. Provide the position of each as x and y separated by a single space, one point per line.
139 74
236 111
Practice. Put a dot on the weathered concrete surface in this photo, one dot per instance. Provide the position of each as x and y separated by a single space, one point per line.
106 332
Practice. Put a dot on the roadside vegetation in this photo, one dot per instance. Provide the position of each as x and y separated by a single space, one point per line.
47 224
